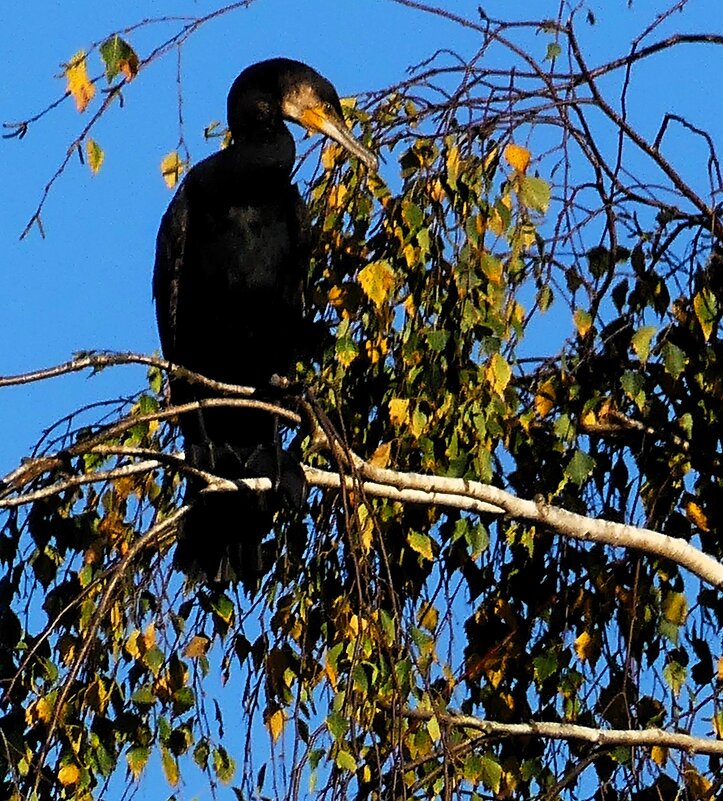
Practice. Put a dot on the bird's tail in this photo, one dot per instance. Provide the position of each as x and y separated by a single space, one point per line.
222 535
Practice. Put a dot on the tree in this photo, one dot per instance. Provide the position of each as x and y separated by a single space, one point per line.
507 582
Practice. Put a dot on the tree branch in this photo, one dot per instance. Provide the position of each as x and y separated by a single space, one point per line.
609 738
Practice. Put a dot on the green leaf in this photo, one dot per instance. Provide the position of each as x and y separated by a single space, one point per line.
144 696
553 51
490 773
535 193
633 383
675 674
437 340
580 467
223 765
137 758
345 761
337 725
674 359
201 753
546 665
118 56
421 544
223 606
705 306
641 341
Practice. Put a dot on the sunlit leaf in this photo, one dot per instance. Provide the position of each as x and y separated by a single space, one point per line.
705 306
498 373
276 723
170 766
79 84
345 761
95 155
517 157
398 411
223 765
172 168
641 341
583 321
535 193
580 467
675 608
68 774
545 398
697 516
420 543
377 281
137 758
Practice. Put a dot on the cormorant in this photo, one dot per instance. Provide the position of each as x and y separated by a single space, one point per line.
231 260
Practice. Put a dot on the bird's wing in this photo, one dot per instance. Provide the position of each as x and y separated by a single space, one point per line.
302 227
170 254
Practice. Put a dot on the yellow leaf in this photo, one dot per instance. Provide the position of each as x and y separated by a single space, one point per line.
39 710
588 418
68 774
496 223
517 157
410 254
545 397
696 516
337 195
79 84
377 280
453 166
398 411
720 668
584 646
276 723
329 155
659 755
433 729
336 296
170 766
675 608
95 155
172 169
490 158
428 617
583 321
699 787
498 373
149 636
131 644
197 647
366 528
381 456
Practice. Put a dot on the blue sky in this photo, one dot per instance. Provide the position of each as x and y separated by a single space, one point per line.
87 285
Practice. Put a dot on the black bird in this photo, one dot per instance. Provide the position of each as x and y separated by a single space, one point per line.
231 260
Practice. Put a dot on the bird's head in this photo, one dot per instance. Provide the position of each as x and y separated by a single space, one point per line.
300 95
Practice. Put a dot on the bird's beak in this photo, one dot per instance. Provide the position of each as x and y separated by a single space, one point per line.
323 120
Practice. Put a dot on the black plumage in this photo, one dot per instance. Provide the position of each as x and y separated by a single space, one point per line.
231 259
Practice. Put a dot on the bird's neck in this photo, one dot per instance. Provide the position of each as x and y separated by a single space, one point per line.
266 150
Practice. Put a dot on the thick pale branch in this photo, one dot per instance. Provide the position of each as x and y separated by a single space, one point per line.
608 738
538 511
